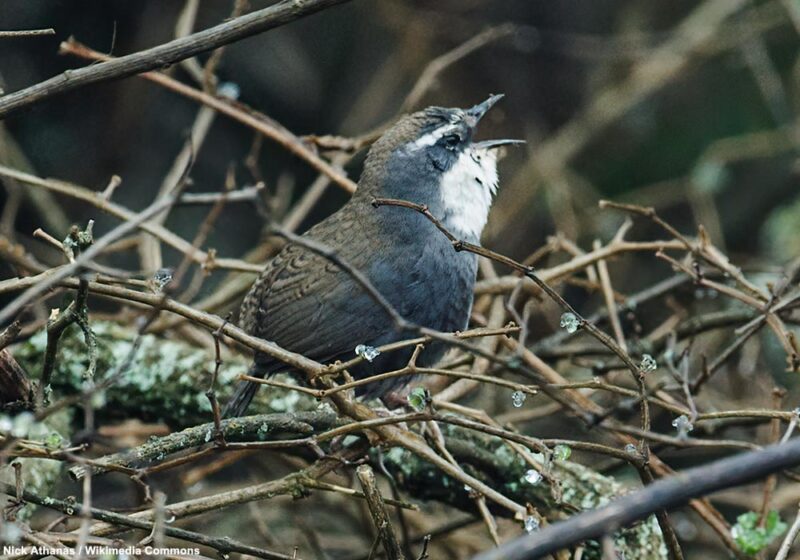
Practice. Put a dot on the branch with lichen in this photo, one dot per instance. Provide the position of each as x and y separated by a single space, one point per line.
37 474
165 383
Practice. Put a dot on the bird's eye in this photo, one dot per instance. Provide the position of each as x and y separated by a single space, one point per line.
451 140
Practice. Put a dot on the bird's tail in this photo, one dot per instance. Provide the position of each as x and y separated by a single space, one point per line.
244 393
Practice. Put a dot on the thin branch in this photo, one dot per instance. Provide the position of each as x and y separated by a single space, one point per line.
237 111
224 545
662 494
27 33
380 517
786 545
165 54
99 201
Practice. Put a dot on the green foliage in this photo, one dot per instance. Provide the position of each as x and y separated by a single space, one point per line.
418 398
750 537
561 452
54 441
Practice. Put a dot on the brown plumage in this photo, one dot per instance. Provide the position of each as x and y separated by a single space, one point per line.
303 302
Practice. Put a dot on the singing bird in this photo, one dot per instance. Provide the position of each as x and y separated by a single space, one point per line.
305 303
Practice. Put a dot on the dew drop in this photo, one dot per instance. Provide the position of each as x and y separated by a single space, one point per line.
683 425
570 322
532 476
648 363
369 353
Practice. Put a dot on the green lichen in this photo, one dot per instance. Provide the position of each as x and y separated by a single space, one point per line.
165 381
495 463
39 475
751 537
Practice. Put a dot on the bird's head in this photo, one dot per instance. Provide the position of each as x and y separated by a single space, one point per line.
429 157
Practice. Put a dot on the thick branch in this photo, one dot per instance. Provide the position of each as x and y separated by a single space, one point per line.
172 389
166 54
663 494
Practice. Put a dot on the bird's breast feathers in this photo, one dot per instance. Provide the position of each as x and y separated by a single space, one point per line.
467 189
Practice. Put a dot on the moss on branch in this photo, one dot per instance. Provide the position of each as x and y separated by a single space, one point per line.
167 381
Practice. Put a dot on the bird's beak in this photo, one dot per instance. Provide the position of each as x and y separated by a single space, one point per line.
475 114
491 144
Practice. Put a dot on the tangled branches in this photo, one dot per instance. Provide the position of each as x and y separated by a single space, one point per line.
563 421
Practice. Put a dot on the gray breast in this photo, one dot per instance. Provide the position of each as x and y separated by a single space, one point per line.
427 280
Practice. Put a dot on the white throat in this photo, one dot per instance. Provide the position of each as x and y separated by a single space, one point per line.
467 189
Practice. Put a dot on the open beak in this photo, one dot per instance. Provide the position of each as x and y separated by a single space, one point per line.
481 109
476 113
491 144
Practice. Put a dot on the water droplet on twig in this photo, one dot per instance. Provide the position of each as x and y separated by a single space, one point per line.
648 363
570 322
683 425
532 476
369 353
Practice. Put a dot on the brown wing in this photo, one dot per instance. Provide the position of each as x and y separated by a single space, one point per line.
306 304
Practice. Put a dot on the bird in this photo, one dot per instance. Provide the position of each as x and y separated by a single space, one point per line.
305 303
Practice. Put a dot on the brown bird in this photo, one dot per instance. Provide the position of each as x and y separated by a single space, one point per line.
305 303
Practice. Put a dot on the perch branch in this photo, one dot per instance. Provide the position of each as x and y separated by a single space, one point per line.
662 494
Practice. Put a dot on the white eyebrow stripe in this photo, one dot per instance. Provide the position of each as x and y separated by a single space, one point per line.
432 137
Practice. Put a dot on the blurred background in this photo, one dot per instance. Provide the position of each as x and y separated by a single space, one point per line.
690 107
611 101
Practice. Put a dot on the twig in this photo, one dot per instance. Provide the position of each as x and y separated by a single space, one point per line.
662 494
165 54
608 295
247 194
8 334
355 494
27 33
223 545
95 199
379 515
423 554
111 188
437 65
786 545
84 258
56 325
150 255
237 111
505 284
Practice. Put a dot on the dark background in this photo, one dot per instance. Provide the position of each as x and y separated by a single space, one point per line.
714 142
348 70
